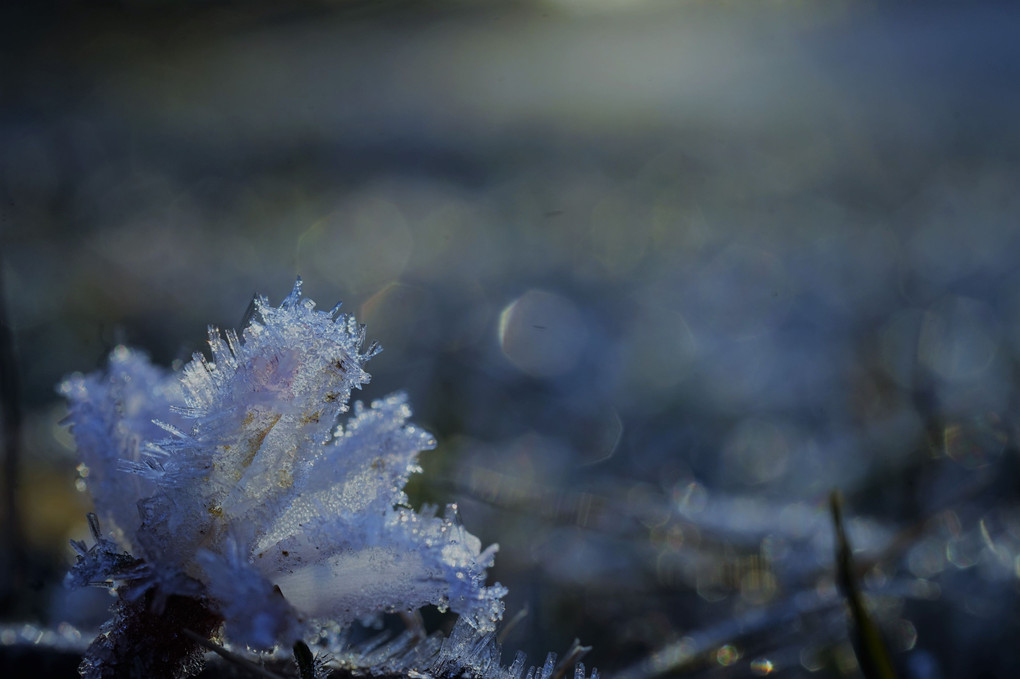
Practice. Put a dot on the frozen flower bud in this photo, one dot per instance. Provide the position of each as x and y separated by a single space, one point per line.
232 481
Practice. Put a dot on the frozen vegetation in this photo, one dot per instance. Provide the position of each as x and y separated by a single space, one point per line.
658 276
226 491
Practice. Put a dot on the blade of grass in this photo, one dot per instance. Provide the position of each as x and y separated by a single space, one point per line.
872 655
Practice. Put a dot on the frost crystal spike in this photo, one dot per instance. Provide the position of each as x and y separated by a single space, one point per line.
231 482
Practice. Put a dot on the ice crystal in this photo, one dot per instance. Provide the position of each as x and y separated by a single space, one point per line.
466 653
231 482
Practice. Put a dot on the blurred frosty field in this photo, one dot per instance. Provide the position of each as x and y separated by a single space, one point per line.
658 275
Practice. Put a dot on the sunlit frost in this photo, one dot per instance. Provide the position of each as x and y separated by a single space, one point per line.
232 480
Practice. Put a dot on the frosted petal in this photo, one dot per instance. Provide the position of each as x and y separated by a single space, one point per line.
113 416
401 564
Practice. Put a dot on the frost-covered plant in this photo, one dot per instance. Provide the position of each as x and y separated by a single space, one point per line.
231 499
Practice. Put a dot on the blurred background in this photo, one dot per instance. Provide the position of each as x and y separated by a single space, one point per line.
659 275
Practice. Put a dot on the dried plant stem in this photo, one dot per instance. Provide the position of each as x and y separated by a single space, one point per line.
570 659
10 422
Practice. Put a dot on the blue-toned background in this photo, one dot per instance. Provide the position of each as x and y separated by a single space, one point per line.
659 275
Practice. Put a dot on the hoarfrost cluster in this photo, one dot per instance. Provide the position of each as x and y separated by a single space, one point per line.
465 653
230 482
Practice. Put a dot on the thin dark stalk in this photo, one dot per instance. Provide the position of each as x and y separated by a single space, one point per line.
872 654
570 659
509 626
10 422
